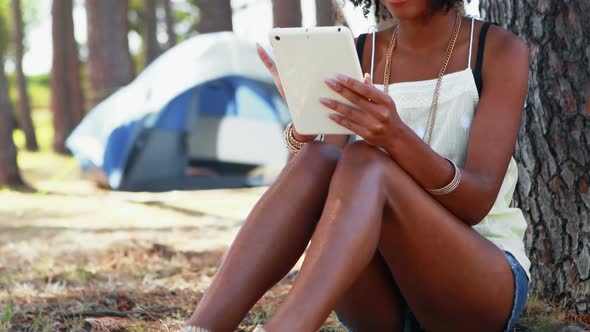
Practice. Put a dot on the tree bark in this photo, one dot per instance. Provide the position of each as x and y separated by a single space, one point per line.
553 149
24 105
326 13
287 13
9 173
151 49
67 100
169 19
215 15
109 60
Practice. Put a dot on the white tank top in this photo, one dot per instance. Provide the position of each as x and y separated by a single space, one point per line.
458 100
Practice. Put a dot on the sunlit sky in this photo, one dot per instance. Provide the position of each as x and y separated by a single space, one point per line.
252 20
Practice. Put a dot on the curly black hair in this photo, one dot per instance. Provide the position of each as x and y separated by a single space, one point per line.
381 13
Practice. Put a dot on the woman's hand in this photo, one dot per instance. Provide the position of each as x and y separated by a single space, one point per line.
272 68
374 115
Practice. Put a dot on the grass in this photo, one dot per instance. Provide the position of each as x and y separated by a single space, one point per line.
7 315
118 295
38 89
118 289
42 119
44 165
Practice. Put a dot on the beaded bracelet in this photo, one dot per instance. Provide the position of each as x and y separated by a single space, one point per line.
293 144
451 186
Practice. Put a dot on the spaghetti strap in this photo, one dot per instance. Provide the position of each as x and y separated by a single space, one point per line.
477 73
360 46
373 52
471 42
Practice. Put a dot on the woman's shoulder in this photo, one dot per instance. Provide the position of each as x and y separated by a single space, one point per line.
505 67
503 47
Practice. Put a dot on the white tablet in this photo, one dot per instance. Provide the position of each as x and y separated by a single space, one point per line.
305 57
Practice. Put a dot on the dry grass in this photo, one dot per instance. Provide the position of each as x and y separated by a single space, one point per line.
139 288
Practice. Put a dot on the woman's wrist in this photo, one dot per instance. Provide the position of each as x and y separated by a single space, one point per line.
301 137
399 138
294 144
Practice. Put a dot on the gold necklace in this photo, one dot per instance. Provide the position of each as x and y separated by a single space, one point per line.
443 69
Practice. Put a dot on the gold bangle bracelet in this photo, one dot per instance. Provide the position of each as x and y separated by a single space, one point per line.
451 186
292 147
293 143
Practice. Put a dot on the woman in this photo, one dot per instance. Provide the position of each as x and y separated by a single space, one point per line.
411 228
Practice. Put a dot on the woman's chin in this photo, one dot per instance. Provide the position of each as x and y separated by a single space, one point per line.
396 2
405 10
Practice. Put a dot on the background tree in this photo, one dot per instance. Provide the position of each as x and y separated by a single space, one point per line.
9 173
5 28
214 15
170 21
326 14
109 60
553 149
151 48
287 13
24 105
67 101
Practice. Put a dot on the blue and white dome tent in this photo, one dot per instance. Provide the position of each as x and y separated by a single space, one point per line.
202 115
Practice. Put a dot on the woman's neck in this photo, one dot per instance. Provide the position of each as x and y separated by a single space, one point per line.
424 33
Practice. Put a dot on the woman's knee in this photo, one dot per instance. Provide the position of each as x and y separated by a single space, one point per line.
360 158
317 156
363 153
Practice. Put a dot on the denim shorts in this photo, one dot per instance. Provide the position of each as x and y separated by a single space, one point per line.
521 282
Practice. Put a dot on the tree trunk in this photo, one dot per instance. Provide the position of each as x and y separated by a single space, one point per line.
24 105
326 13
109 61
151 49
287 13
9 173
67 101
215 15
74 83
169 19
553 149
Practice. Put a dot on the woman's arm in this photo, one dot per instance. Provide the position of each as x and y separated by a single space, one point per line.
492 137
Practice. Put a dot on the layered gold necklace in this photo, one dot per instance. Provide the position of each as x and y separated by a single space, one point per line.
443 69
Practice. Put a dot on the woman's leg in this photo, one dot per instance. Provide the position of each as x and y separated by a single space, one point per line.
452 278
373 302
272 239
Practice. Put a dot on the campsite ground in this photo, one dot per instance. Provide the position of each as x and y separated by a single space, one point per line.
75 257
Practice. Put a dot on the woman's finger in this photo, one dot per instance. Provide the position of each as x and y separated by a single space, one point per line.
272 68
350 125
266 59
363 88
360 101
348 112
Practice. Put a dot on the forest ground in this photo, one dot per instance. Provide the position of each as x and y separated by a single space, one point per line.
74 257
